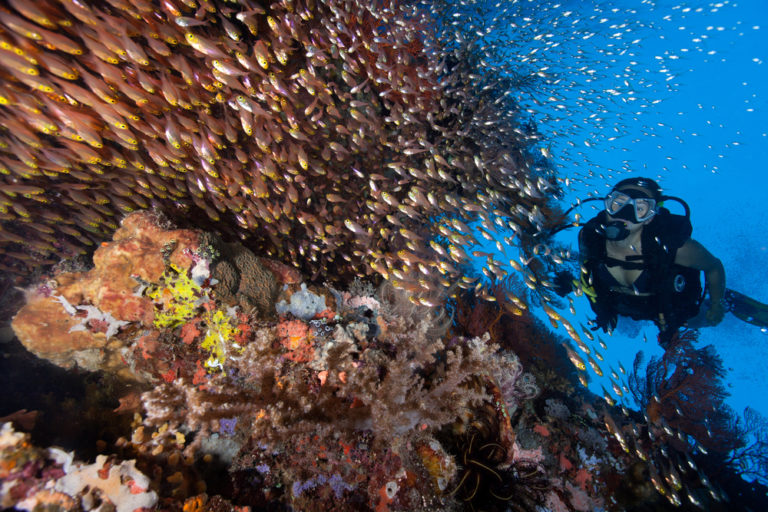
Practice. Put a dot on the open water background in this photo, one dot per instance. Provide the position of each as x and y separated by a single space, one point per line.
675 91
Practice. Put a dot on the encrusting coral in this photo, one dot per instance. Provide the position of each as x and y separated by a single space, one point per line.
36 479
85 310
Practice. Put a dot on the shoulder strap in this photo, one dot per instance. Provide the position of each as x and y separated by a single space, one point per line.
662 237
665 234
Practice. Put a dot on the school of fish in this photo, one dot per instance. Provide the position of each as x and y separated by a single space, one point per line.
329 133
343 137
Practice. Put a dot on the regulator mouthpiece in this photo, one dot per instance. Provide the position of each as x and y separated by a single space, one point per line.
616 230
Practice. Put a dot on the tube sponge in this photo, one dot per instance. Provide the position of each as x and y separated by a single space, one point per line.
304 304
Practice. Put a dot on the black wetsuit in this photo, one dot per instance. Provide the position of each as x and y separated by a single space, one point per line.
675 290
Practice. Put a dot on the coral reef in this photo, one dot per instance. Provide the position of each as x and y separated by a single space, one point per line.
359 399
85 310
322 409
295 143
146 281
37 479
325 405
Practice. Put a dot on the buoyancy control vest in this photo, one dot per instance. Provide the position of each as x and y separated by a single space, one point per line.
676 291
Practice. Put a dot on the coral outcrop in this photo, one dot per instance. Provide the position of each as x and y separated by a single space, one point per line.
328 397
83 311
50 479
246 280
148 278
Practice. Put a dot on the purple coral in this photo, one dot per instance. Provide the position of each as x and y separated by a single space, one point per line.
299 487
339 485
227 426
46 288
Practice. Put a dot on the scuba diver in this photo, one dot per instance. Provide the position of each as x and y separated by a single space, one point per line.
638 260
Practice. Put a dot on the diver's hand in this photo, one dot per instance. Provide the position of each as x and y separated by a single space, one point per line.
715 313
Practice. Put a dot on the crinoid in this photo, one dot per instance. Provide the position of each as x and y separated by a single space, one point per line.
488 477
486 484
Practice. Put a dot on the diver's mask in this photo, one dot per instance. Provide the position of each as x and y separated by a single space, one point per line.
631 205
627 205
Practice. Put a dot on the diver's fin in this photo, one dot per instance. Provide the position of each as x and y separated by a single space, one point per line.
747 309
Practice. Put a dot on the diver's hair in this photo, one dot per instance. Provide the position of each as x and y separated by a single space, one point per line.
646 183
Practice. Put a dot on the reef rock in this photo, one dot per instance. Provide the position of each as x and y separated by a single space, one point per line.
73 318
151 282
140 253
52 330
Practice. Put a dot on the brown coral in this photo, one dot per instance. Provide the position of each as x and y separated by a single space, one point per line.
53 339
243 280
141 249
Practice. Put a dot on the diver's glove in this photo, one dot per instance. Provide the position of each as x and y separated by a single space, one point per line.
606 322
563 282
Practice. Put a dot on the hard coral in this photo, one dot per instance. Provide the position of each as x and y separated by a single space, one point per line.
244 280
141 249
59 338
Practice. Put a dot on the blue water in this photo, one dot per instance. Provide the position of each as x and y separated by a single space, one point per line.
689 110
712 151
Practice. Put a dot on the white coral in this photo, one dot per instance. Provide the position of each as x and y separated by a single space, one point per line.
9 438
92 313
201 271
125 486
